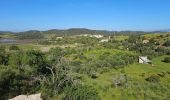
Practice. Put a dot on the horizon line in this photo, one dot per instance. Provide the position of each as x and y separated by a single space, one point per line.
116 30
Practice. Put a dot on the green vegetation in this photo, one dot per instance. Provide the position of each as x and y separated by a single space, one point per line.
81 93
167 59
167 43
74 66
30 35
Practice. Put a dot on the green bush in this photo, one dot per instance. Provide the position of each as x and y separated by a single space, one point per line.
167 43
166 59
13 83
4 58
13 47
163 50
81 93
2 48
153 79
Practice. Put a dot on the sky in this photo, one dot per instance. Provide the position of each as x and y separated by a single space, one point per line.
143 15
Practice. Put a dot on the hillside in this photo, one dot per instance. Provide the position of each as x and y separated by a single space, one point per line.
84 66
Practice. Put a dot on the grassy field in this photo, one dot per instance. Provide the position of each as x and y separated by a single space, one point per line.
7 35
136 86
159 37
121 38
43 48
99 51
112 80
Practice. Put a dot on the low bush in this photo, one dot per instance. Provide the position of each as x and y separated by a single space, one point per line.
167 43
166 59
153 79
81 93
13 47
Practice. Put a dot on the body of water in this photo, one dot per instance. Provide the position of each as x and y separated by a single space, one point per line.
15 41
8 41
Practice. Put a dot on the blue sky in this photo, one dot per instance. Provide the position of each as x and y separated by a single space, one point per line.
147 15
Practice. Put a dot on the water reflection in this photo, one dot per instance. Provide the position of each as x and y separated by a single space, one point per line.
8 41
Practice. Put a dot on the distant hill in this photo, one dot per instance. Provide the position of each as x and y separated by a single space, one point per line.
31 34
167 30
161 31
76 31
3 32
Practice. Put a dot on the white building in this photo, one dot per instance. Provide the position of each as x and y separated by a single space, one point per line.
144 60
59 37
90 35
97 36
145 41
104 40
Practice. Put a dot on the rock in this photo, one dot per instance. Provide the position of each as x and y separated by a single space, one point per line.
28 97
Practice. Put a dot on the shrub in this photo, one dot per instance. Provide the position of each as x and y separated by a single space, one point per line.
133 38
15 58
153 79
94 76
13 83
13 47
162 74
163 50
81 93
2 48
55 54
4 58
36 62
167 43
166 59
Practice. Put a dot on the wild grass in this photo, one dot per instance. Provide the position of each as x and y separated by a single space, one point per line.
136 87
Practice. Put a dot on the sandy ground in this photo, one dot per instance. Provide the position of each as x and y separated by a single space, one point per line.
29 97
